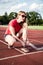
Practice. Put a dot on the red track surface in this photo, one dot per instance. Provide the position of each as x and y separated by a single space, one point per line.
15 56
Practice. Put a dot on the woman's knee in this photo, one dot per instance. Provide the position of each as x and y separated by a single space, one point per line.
10 39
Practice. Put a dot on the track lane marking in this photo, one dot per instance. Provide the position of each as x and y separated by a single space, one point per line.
14 48
36 40
20 55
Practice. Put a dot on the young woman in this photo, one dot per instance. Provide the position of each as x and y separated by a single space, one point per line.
16 27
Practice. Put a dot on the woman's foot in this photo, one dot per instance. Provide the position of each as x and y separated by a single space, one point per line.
25 50
10 47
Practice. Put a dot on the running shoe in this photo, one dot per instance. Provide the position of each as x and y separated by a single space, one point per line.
25 50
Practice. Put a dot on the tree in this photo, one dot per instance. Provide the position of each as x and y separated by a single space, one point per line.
0 20
12 15
34 18
4 19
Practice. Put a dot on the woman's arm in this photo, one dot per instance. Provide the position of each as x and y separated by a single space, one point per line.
24 36
13 34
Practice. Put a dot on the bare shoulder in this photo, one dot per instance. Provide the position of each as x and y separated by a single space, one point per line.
12 20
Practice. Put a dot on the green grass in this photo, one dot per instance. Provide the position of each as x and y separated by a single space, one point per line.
36 27
30 27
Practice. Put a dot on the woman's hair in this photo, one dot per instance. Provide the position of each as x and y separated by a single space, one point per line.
20 12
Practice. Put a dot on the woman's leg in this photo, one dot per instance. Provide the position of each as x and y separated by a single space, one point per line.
10 40
24 35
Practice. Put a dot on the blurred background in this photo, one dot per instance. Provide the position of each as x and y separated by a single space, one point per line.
33 8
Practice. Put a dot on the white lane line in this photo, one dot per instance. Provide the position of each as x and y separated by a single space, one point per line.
3 42
20 51
14 48
36 41
16 56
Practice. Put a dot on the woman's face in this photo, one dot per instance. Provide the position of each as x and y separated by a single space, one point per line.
22 18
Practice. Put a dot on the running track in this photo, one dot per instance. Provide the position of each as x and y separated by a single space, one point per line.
18 57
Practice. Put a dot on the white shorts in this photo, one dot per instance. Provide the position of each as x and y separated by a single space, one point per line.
10 39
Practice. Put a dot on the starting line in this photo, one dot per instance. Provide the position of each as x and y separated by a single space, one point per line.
30 44
23 54
20 55
15 48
